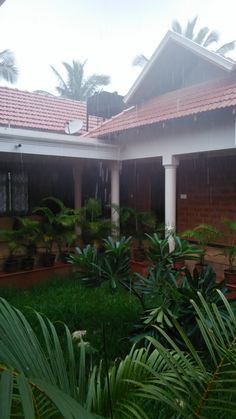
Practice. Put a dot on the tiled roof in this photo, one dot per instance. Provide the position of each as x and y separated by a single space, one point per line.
21 109
192 100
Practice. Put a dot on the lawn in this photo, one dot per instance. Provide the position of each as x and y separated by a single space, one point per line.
68 301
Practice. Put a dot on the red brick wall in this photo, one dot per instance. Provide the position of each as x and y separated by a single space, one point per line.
210 186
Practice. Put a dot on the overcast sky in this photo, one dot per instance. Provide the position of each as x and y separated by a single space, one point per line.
108 33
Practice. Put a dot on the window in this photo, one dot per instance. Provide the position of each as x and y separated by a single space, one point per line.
13 192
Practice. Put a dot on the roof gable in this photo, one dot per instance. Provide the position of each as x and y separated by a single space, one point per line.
176 63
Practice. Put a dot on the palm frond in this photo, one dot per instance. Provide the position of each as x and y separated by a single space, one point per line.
62 88
76 86
212 37
189 30
201 35
43 379
8 69
230 46
36 376
140 61
92 83
176 27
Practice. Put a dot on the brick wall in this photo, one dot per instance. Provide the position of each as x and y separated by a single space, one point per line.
210 188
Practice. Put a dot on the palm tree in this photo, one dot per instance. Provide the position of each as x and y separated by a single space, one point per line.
8 69
76 86
204 37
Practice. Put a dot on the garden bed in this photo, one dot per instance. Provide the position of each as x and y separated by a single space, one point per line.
27 279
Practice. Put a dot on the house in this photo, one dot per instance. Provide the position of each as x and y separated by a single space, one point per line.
172 150
177 138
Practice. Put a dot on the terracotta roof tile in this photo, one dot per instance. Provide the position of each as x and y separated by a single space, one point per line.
192 100
22 109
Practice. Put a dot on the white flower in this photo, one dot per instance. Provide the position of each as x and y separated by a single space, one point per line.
78 334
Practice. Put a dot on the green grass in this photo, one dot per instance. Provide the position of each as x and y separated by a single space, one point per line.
68 301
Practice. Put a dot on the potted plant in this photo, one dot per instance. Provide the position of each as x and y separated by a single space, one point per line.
11 237
94 227
203 234
136 224
230 252
57 226
28 236
145 223
183 252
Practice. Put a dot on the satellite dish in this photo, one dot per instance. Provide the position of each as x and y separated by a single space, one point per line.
73 126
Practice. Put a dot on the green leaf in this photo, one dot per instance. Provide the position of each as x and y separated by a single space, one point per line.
26 397
6 393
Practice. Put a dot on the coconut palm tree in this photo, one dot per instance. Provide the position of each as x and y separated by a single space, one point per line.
76 86
8 69
204 37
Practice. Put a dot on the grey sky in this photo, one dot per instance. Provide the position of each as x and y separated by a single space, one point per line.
108 33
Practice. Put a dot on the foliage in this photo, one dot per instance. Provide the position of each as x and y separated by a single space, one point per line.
38 378
24 236
203 234
28 234
160 252
135 223
170 296
112 265
204 37
94 227
12 239
37 382
88 265
81 308
116 260
8 69
75 86
230 251
58 224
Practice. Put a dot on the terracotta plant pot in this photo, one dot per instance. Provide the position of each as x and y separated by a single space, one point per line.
138 254
230 276
27 264
11 265
180 264
199 267
48 259
139 267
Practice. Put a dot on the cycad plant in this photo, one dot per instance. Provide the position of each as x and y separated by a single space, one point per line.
45 381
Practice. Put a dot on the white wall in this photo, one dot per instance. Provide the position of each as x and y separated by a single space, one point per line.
179 138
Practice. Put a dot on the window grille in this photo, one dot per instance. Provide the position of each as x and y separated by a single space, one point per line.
13 193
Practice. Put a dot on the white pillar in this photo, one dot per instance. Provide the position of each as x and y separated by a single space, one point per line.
170 165
115 195
78 186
